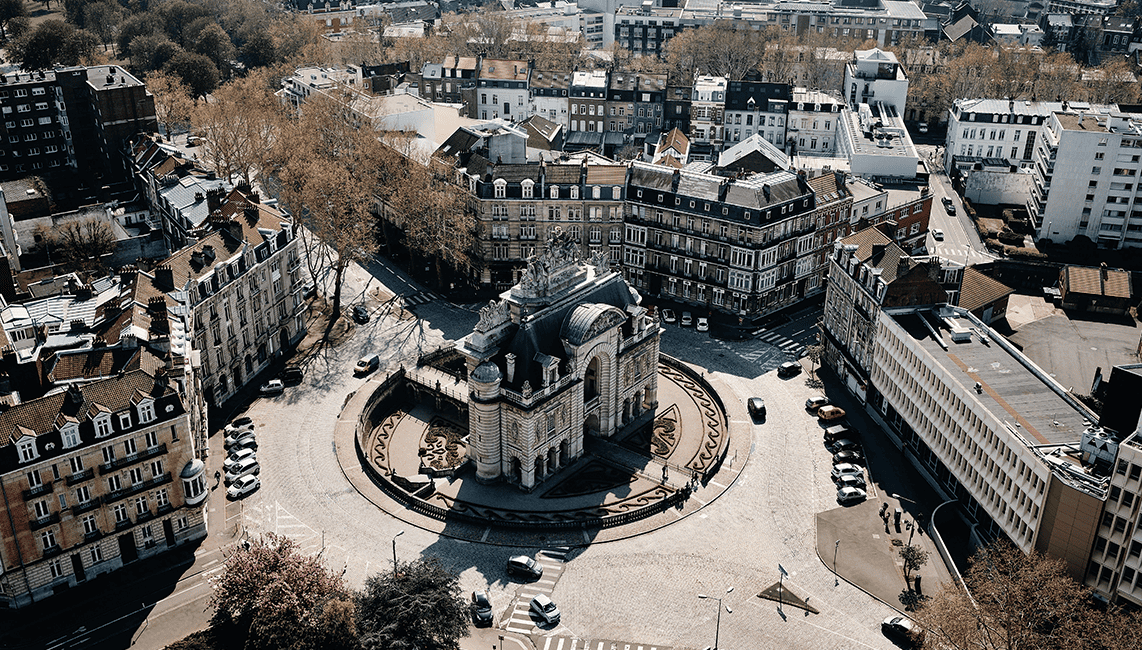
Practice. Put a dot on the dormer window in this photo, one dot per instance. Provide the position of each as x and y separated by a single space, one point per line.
501 188
596 192
554 191
124 420
103 426
146 411
528 187
70 435
27 449
616 193
574 191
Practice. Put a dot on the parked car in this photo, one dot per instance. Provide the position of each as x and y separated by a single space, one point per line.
481 609
232 428
850 495
242 486
903 628
816 402
937 234
241 422
238 437
244 442
360 314
243 468
292 375
367 364
844 444
756 407
525 567
545 609
840 432
668 316
830 413
272 387
789 369
947 201
850 480
308 288
687 319
236 456
848 456
703 324
845 468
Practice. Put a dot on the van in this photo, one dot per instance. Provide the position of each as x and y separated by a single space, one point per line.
367 364
838 431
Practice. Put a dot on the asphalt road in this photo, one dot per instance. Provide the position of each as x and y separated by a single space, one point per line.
961 242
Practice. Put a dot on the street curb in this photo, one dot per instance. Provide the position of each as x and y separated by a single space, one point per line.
817 550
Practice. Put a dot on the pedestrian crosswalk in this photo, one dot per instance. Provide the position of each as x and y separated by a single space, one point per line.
788 346
420 298
520 619
571 643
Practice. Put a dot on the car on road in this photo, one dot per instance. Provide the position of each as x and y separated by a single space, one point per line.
687 319
367 364
243 468
901 627
292 375
232 428
668 316
756 407
850 480
845 468
816 402
937 234
244 442
308 288
524 567
850 495
843 444
789 369
242 486
830 413
703 324
481 609
236 456
848 456
240 422
237 437
360 314
947 201
272 387
545 609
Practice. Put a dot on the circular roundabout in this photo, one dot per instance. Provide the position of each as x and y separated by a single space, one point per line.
408 453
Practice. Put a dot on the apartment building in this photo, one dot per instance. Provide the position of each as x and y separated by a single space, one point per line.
450 82
814 117
1082 7
756 107
635 103
745 247
94 478
980 129
707 116
875 76
240 282
1086 178
502 86
588 101
549 98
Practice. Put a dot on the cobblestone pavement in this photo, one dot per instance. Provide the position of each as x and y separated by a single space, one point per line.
644 587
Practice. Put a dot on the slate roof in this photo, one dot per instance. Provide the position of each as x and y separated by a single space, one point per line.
39 416
606 174
877 250
827 189
1088 280
562 174
979 290
550 79
516 173
101 362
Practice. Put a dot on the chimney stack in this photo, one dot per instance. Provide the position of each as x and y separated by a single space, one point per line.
213 200
510 359
164 276
235 229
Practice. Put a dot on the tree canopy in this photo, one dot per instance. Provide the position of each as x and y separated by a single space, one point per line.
419 605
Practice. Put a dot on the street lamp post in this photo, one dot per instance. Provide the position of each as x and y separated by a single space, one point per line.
836 546
395 553
718 625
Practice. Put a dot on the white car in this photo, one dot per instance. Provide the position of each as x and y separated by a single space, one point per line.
542 606
850 481
937 234
236 456
272 387
850 495
237 430
847 468
703 324
243 486
243 468
237 437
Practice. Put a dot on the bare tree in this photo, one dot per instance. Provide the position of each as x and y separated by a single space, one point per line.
173 103
239 126
81 244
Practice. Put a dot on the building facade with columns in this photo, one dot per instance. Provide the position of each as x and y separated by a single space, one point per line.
566 352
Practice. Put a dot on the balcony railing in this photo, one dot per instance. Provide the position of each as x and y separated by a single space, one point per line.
131 459
44 522
80 476
39 490
122 525
53 550
84 506
119 495
92 536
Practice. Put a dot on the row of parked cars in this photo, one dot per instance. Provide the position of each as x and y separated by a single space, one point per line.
241 464
703 323
848 457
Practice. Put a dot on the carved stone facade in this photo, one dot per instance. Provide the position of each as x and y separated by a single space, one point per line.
566 352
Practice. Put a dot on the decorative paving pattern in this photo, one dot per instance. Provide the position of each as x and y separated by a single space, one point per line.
379 448
713 428
444 446
596 476
659 440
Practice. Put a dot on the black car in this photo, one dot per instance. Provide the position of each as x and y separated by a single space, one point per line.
756 407
524 567
481 609
360 314
292 375
849 456
242 421
789 369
